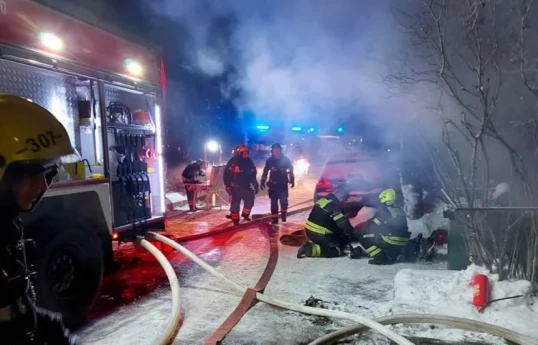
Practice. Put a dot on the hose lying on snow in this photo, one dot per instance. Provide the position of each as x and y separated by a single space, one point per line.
456 322
174 323
282 304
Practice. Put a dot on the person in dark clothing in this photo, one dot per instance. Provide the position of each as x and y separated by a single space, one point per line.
327 228
190 175
27 167
386 235
241 184
280 172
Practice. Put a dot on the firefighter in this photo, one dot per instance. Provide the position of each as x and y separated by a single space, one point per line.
386 235
241 184
281 174
190 175
327 228
32 142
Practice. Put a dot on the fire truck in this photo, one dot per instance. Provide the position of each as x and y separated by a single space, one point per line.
108 93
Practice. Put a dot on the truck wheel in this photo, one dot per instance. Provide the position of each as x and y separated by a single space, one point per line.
69 275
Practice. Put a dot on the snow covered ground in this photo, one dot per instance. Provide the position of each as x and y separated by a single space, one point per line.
342 284
450 293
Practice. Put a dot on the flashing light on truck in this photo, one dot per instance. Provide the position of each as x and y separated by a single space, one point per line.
51 41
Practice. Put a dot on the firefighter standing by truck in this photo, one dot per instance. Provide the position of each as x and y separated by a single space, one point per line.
280 172
191 173
32 142
327 228
241 184
385 236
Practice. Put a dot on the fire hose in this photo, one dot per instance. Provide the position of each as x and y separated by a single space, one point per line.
378 325
456 322
175 321
283 304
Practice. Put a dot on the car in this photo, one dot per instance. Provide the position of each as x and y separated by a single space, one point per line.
365 174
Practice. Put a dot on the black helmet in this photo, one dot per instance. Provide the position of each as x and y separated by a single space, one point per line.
276 146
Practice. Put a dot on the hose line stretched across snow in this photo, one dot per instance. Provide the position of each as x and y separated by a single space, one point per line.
282 304
456 322
175 321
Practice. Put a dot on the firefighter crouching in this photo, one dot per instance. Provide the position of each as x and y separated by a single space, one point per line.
241 184
327 228
190 175
28 164
280 172
385 236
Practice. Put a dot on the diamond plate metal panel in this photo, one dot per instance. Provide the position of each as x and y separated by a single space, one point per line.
54 91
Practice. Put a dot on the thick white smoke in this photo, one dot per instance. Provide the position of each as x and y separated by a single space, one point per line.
299 60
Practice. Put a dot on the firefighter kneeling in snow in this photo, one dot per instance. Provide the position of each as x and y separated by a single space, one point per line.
327 228
385 236
240 181
190 175
27 167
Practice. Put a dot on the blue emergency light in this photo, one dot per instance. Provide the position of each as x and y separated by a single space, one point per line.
262 127
311 129
296 128
340 129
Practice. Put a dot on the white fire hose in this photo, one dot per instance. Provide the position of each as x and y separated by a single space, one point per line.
398 339
175 321
456 322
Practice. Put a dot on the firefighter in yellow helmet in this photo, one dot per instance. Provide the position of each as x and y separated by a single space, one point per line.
32 143
385 236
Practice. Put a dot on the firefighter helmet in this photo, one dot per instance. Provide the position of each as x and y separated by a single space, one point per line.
242 150
31 136
388 196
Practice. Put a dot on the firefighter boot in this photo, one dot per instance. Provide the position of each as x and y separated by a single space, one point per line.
381 259
283 214
309 249
274 218
246 216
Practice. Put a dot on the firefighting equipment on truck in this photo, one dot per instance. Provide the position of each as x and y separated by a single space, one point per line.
327 228
280 171
241 184
31 137
190 175
385 236
131 191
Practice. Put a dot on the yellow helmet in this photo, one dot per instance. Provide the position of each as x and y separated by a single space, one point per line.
387 196
31 134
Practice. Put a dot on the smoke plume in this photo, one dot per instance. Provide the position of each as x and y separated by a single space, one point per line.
301 61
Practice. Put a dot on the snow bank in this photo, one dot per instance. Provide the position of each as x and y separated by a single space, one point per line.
450 293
